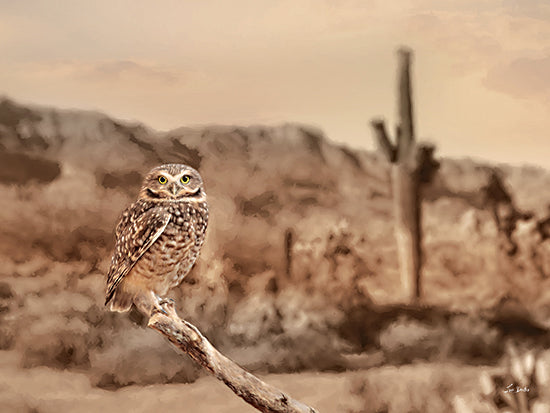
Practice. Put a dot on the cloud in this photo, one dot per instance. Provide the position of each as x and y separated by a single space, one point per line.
463 39
521 78
103 74
119 69
104 71
534 9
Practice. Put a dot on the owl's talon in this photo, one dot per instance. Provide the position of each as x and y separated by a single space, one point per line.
167 301
164 304
158 309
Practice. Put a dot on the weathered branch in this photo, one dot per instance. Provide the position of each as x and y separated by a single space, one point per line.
252 390
384 144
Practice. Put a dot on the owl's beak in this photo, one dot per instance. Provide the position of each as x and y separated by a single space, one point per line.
174 190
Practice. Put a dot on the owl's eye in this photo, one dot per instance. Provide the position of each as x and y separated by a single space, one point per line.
185 179
162 179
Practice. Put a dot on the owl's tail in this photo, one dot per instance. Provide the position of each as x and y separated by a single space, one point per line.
121 301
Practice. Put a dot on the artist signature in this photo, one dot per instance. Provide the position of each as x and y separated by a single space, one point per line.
516 389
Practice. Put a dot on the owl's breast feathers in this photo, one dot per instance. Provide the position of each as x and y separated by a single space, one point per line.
178 228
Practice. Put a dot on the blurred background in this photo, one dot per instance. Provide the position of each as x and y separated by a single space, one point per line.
299 279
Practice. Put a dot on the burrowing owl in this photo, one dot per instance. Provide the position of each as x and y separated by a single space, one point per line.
158 238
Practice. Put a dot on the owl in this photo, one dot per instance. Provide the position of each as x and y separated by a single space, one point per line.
158 239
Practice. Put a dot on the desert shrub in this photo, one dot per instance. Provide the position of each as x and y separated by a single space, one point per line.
406 340
474 340
280 331
412 389
460 337
520 386
136 355
55 342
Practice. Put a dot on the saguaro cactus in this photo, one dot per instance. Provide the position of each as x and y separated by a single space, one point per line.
412 166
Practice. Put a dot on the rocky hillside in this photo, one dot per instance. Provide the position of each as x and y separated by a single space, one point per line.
299 254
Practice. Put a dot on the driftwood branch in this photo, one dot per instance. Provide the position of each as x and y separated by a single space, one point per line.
252 390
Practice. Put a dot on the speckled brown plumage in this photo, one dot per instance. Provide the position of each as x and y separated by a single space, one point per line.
158 238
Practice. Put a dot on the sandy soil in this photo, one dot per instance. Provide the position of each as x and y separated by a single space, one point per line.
46 390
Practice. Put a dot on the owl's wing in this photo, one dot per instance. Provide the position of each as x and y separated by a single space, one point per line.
137 230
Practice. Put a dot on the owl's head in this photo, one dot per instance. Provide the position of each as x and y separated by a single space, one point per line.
173 182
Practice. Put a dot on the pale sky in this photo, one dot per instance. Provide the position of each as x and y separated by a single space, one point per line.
481 72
